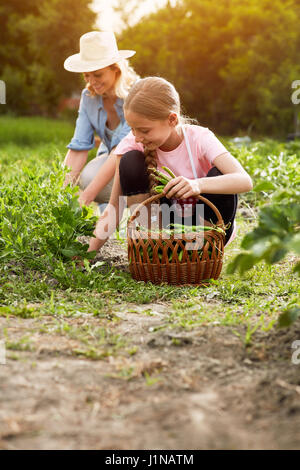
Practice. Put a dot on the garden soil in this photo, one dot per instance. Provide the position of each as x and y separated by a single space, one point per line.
196 389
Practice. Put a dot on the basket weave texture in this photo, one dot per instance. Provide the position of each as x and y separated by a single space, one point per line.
194 267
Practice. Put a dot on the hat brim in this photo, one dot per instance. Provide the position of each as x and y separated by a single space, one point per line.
75 64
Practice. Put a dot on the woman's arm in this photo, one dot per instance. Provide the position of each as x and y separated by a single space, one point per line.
75 160
82 141
112 215
101 179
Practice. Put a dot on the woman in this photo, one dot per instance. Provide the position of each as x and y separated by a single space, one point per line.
109 78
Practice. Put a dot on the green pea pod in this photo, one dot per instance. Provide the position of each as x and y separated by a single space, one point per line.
163 181
180 254
159 173
159 189
168 171
161 176
196 228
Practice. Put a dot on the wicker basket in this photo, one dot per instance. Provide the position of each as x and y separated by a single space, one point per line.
186 269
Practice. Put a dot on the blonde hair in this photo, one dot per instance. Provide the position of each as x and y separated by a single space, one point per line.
155 98
125 79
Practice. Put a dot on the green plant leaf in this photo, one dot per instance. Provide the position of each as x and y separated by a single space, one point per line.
264 186
289 316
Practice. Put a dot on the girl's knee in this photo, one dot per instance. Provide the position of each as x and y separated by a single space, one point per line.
214 171
133 173
132 161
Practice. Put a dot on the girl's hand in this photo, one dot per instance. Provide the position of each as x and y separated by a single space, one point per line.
182 188
93 246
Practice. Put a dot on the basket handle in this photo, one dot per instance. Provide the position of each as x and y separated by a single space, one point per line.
136 213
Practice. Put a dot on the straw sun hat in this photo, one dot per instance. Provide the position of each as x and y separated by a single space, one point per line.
98 49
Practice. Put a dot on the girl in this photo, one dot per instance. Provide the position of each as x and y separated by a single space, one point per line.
161 137
108 77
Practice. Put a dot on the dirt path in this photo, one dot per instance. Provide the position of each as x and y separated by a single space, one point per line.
180 390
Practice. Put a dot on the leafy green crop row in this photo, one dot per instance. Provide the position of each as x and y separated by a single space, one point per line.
40 224
275 169
39 219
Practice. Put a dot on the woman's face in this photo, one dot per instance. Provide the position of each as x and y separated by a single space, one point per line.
102 80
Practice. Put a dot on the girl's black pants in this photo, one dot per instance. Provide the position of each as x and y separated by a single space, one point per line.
134 180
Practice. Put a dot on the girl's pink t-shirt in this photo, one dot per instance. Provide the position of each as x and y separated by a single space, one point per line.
204 145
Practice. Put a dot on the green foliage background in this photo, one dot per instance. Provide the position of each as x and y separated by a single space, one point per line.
232 61
36 36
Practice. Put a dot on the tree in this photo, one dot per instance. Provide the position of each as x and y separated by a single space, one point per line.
36 37
232 61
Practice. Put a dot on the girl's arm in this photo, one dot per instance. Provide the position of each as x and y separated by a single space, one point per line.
112 215
101 179
234 180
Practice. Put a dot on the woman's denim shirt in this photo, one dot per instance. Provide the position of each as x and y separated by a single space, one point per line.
92 117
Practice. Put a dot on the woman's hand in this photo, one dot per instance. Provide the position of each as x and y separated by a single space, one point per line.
182 188
85 198
75 161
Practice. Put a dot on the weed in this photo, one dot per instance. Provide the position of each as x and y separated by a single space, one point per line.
151 380
23 344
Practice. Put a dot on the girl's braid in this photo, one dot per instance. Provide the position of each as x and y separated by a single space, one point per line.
151 162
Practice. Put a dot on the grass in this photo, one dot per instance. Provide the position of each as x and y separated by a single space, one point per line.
40 223
34 131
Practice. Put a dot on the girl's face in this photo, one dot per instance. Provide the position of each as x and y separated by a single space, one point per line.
102 80
152 134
